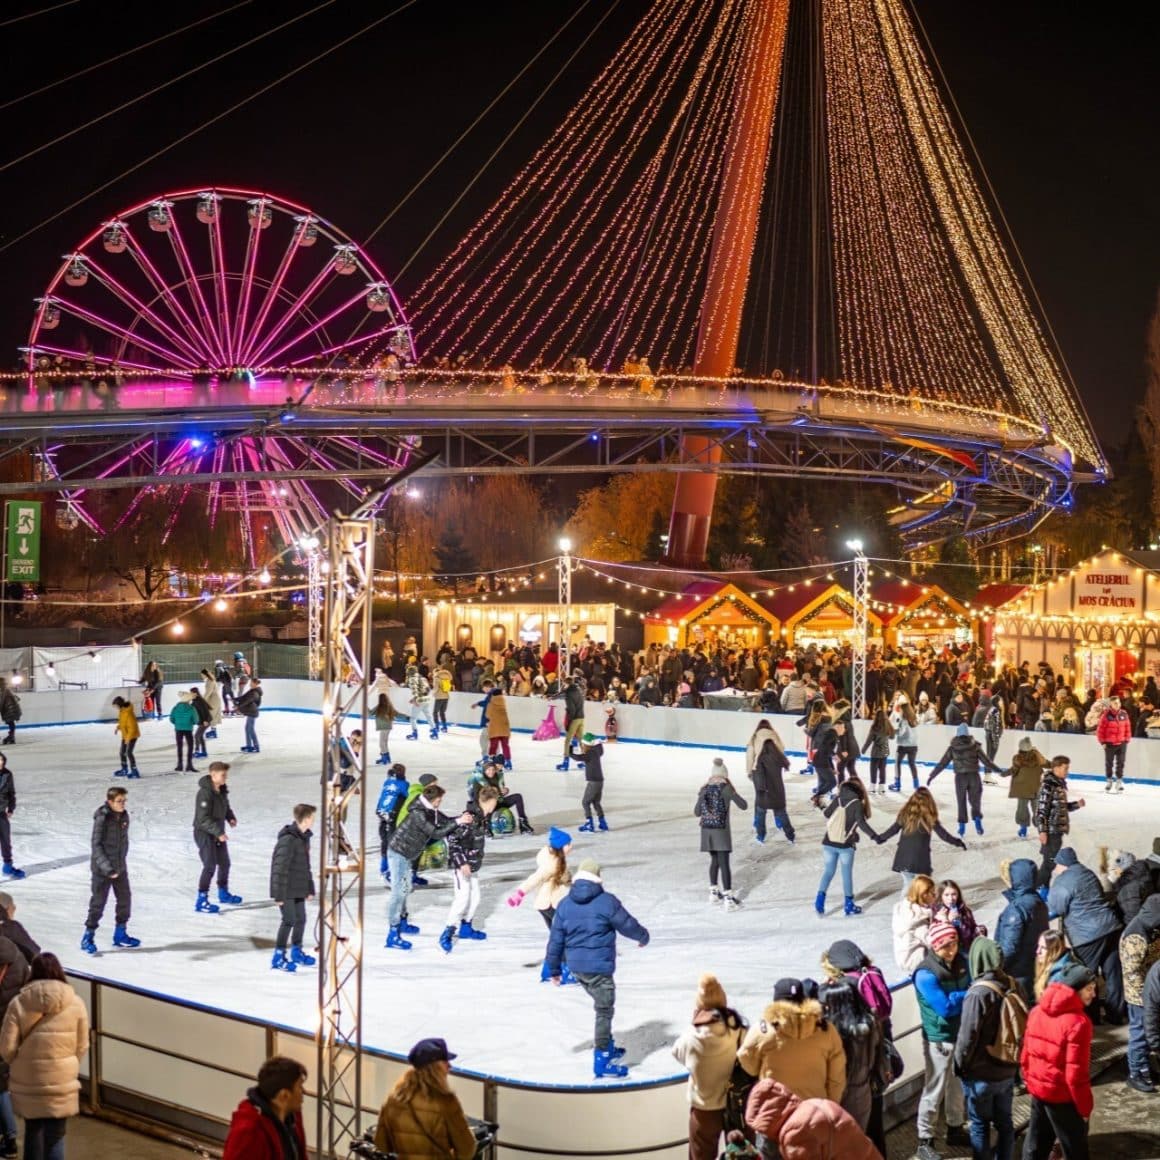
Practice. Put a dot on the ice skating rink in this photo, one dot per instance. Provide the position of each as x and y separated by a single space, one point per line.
485 998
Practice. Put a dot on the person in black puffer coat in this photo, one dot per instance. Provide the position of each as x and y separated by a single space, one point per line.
212 814
769 790
1132 884
965 755
14 973
291 884
109 848
1021 922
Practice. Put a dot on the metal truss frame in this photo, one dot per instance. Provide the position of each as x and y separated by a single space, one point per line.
987 489
347 617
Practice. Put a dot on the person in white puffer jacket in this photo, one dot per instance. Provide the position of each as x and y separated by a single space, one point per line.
44 1035
708 1048
910 924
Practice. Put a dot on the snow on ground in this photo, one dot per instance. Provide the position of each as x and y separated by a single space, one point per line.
485 997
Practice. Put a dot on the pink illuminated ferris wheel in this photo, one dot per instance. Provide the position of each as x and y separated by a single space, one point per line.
216 281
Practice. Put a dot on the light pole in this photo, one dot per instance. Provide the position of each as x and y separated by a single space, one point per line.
565 601
861 600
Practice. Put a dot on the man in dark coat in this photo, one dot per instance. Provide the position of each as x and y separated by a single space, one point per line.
1132 883
212 814
965 755
1091 925
15 931
769 790
110 851
1053 813
291 884
584 935
249 704
267 1124
1139 952
1020 924
573 718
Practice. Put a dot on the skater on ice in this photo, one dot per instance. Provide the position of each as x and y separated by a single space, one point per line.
465 850
212 818
391 798
845 816
712 809
7 809
965 755
1026 774
591 757
551 880
109 847
291 887
130 730
420 703
249 705
916 823
183 718
491 776
383 716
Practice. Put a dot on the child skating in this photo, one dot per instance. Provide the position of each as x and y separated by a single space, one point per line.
591 756
291 886
391 799
551 880
465 847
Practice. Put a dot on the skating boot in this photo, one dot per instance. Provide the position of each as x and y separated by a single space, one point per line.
896 787
447 937
526 827
1108 786
962 829
852 907
563 766
732 902
281 963
10 871
603 1066
122 938
386 759
211 734
204 906
915 786
434 734
406 926
926 1150
979 826
467 931
133 774
300 958
715 895
88 944
224 896
1119 785
602 824
508 765
616 1052
395 939
1023 831
416 880
820 903
589 827
413 735
120 773
385 870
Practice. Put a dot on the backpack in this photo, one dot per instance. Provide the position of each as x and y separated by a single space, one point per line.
445 684
736 1097
836 830
713 807
1012 1023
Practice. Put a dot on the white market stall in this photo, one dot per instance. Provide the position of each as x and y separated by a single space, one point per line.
490 626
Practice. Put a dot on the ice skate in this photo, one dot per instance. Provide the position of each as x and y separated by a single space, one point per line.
120 773
926 1151
446 941
896 787
962 829
526 827
396 940
820 903
467 931
508 765
413 735
715 894
589 827
434 734
602 824
851 907
416 880
10 871
300 958
732 902
1119 785
979 826
281 963
1023 831
406 926
88 944
1108 786
563 766
122 938
603 1066
133 774
224 896
204 906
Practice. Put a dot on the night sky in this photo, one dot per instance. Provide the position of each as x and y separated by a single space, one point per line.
1059 99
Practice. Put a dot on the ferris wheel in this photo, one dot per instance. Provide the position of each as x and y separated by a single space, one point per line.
216 281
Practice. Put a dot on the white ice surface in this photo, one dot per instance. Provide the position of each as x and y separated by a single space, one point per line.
485 998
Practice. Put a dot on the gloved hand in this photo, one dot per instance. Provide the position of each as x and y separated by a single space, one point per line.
515 898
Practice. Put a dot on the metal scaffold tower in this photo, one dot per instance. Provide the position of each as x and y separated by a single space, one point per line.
347 616
861 605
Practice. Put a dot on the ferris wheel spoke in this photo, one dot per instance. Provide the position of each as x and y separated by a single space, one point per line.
249 264
214 499
292 312
314 328
165 294
272 292
221 290
176 463
128 337
129 299
196 295
326 351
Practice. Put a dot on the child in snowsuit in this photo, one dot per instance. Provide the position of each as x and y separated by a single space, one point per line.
391 798
591 757
465 852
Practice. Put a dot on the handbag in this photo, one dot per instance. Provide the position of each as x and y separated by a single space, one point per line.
736 1097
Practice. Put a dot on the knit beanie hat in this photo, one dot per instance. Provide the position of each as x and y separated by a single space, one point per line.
718 769
558 838
985 955
846 955
1024 744
710 993
1066 857
964 730
590 866
1076 976
941 933
588 738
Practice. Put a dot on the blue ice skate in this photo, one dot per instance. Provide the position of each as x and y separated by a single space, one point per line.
88 944
446 938
10 871
300 958
602 1065
204 906
395 939
122 938
229 899
280 962
467 931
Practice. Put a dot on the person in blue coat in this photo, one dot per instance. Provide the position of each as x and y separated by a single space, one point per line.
584 935
1021 922
391 798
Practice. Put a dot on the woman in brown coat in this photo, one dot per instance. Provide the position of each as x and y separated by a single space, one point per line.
422 1118
44 1035
1026 772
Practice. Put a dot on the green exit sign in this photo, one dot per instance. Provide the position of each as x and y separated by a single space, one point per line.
22 518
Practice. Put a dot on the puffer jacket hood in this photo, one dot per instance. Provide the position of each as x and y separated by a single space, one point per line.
1147 922
1021 876
585 890
46 996
793 1020
1060 999
771 1104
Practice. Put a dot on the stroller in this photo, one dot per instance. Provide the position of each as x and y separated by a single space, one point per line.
485 1134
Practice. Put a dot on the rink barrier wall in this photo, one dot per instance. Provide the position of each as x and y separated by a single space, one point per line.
717 729
182 1068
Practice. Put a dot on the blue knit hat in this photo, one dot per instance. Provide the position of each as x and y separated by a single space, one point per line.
558 838
1066 857
964 730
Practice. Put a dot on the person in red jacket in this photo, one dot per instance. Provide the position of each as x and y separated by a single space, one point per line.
1056 1060
267 1124
1113 732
